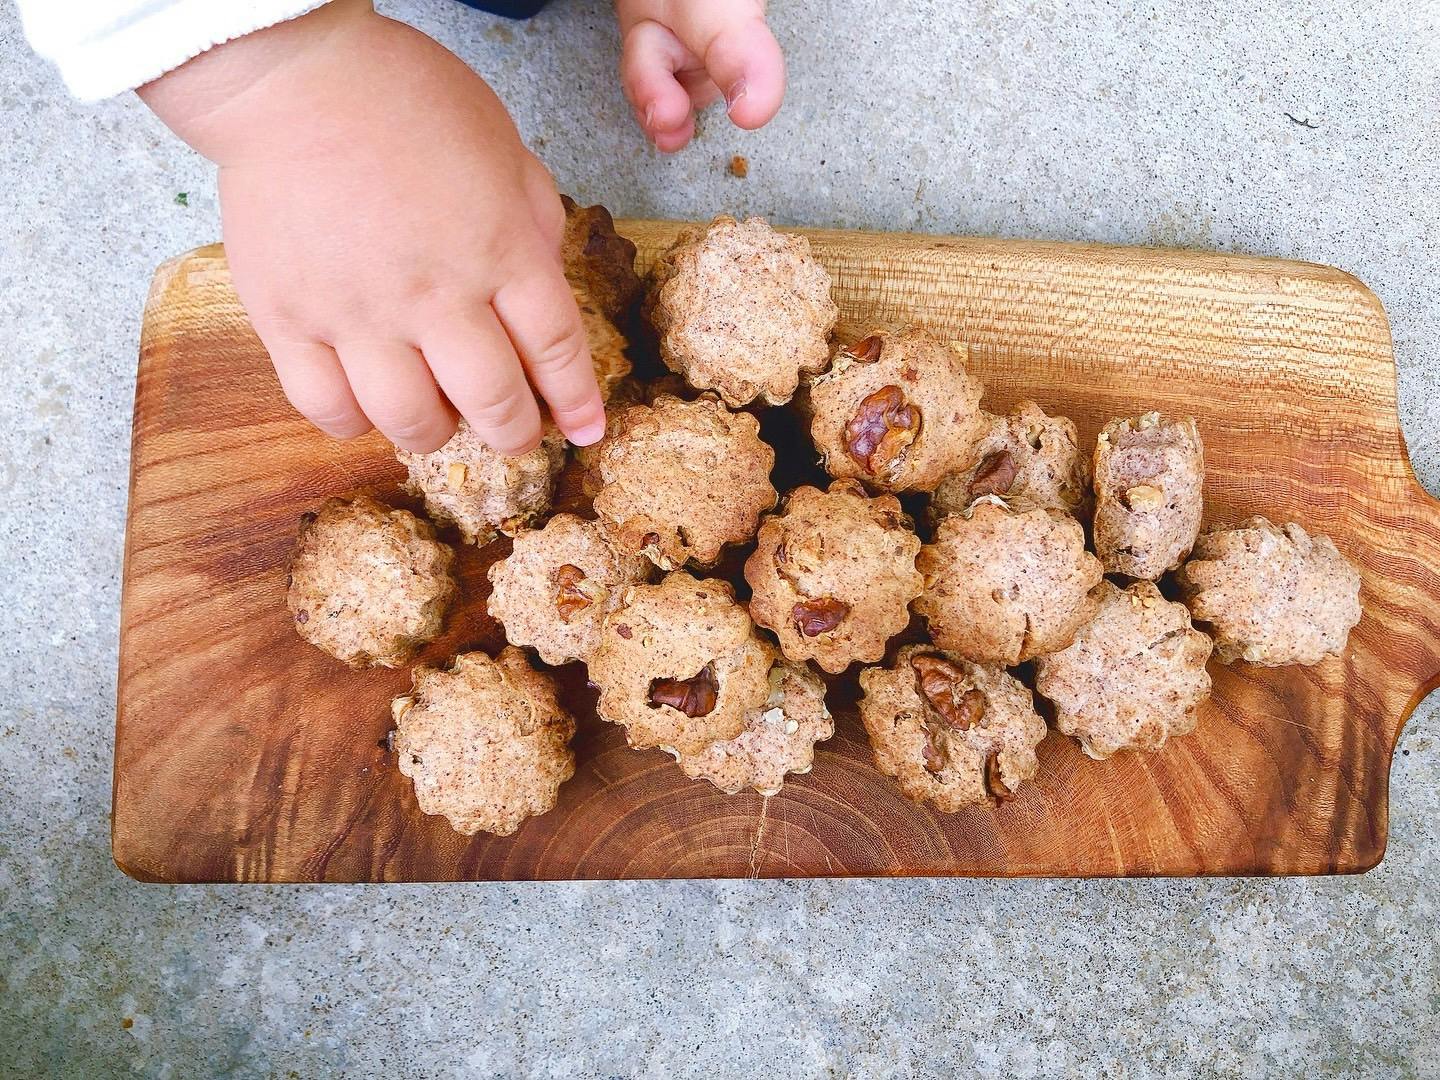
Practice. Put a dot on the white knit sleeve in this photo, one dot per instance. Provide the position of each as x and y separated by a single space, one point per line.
103 47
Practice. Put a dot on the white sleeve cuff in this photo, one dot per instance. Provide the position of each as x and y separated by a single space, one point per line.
104 47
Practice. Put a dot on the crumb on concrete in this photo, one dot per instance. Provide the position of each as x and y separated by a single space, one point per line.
739 166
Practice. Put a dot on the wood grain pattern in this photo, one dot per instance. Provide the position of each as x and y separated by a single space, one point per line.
243 754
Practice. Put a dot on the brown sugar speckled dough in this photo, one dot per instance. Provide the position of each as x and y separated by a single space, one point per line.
951 732
779 738
485 742
1134 676
1271 594
598 260
1005 584
742 310
680 665
897 410
678 480
480 492
833 574
1026 457
1149 472
558 583
368 584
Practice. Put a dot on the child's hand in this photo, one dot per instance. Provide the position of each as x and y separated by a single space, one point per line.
680 55
395 245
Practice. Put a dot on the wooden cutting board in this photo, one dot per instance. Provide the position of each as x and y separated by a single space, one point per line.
243 754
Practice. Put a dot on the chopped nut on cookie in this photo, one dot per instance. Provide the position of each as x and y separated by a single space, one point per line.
485 742
833 574
555 588
1148 478
1271 594
950 732
1005 584
368 584
1134 675
742 310
678 480
898 411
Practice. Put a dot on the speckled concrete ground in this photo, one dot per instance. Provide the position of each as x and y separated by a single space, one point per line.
1240 127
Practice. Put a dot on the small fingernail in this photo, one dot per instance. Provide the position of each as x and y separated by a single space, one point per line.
733 96
589 434
649 117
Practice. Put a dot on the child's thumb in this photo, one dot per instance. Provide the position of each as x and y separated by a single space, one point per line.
740 55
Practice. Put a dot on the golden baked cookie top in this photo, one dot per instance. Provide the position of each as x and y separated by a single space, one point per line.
1149 473
678 480
833 574
598 260
368 584
554 589
742 310
898 411
1271 594
1006 584
951 732
485 741
1134 675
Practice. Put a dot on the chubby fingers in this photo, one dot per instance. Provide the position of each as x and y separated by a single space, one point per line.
474 362
313 380
394 387
539 314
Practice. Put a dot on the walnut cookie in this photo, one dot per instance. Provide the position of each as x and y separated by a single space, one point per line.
742 310
598 261
368 584
678 480
1149 472
485 742
1026 457
1005 584
897 410
1134 675
554 589
680 666
833 574
1271 594
950 732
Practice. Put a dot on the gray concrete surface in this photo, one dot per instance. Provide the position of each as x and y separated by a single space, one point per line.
1123 121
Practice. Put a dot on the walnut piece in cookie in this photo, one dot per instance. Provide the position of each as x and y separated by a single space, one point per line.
1149 472
368 584
680 666
485 742
1271 594
1134 675
480 492
950 732
678 480
598 260
1005 584
554 589
742 310
1026 457
898 411
778 740
833 574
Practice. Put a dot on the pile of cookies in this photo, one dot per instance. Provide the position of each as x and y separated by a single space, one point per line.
1029 562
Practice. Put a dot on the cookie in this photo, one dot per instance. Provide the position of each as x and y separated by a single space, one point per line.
950 732
833 574
1134 675
1025 458
742 310
481 492
779 738
897 410
368 584
678 480
598 260
1271 594
485 742
680 666
554 589
1005 584
1148 477
607 344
